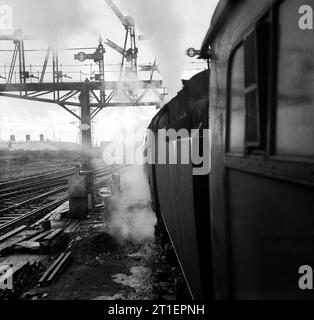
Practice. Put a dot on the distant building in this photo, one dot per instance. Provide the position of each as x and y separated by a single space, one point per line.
46 145
5 146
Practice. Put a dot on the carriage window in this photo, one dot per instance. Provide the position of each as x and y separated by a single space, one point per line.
295 82
237 103
248 100
256 72
251 100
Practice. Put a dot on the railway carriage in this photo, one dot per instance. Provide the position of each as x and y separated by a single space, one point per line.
179 198
248 236
262 121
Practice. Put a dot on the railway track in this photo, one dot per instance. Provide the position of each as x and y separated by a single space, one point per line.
24 203
7 196
44 177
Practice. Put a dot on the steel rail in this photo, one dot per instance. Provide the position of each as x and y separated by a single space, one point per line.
33 212
15 206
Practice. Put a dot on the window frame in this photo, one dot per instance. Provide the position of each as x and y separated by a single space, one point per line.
229 86
251 88
262 147
293 168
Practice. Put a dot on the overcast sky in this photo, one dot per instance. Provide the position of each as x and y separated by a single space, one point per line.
171 28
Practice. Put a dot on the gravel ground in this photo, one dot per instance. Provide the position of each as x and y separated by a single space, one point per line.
103 268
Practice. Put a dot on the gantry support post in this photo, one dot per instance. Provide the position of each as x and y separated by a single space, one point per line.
86 129
87 148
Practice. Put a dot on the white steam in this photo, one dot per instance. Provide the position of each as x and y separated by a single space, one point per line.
162 25
60 19
131 218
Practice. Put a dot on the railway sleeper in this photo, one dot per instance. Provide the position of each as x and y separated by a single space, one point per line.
55 270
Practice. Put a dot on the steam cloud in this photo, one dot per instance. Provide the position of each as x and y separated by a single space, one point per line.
158 20
132 225
57 18
160 23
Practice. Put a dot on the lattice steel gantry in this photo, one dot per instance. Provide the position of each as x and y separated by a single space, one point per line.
51 84
98 93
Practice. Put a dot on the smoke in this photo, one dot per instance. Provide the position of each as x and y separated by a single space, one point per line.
55 19
162 25
132 218
135 185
